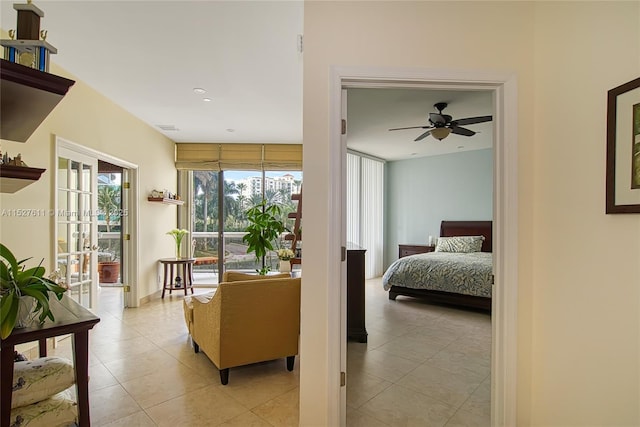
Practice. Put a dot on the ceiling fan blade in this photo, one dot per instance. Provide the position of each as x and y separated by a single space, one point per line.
462 131
473 120
413 127
423 136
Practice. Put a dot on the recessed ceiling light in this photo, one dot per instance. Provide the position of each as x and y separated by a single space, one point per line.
230 130
198 90
206 99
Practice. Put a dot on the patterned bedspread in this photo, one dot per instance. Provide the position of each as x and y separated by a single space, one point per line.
461 273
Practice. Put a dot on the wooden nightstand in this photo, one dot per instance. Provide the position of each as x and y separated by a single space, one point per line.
406 250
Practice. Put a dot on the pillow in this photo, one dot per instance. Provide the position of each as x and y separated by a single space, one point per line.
40 379
58 410
459 244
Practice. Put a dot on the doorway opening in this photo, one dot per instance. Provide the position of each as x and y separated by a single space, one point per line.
97 234
398 193
110 224
505 234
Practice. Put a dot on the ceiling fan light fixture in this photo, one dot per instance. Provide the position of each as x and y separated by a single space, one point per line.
440 133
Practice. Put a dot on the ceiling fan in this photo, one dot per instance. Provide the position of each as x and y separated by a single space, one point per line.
441 125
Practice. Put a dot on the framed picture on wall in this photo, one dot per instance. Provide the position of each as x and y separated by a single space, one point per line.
623 148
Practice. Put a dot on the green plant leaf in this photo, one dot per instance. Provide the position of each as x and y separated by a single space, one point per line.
43 301
8 314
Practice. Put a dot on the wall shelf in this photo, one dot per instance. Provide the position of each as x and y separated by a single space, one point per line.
28 96
165 200
14 178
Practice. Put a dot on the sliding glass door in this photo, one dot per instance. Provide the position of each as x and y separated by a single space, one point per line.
218 217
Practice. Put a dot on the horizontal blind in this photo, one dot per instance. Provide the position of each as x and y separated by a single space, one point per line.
198 157
282 157
217 156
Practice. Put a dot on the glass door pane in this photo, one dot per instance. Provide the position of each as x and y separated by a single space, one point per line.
204 226
76 228
242 190
280 186
109 228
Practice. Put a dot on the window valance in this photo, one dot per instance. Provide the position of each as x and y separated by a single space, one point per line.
216 157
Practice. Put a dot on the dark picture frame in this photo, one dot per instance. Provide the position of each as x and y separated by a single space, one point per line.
623 148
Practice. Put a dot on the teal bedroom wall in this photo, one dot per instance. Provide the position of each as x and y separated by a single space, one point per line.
420 193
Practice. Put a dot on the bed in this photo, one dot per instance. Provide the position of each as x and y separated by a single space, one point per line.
418 276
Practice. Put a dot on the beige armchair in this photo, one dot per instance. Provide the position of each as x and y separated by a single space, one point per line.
248 319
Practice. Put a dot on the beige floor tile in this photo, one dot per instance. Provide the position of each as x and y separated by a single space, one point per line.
252 391
399 406
111 404
247 419
383 365
141 365
208 406
126 349
139 419
479 403
100 377
165 384
363 387
474 365
355 418
464 418
452 389
409 347
283 411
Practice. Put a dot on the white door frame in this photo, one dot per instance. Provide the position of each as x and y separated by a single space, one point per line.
505 215
131 265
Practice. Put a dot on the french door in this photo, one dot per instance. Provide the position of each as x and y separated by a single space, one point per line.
76 229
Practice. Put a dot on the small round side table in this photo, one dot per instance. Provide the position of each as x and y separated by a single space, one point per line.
170 280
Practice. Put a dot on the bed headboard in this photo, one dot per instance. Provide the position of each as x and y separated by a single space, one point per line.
469 228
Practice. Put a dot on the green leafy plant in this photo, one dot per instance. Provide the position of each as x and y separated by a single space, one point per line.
15 282
263 230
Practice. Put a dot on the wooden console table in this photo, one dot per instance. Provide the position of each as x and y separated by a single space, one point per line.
169 281
355 293
71 318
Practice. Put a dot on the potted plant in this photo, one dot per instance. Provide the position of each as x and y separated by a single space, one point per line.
21 289
264 228
285 255
108 267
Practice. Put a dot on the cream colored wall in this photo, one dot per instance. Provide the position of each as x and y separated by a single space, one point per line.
579 269
585 361
87 118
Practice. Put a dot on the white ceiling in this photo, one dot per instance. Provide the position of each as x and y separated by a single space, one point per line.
372 112
148 56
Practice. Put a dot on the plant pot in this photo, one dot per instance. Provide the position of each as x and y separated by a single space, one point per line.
25 311
285 266
109 272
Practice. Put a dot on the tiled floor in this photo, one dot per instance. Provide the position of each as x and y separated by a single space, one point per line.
424 365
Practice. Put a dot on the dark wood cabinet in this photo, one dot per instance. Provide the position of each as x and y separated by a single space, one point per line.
356 328
406 250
